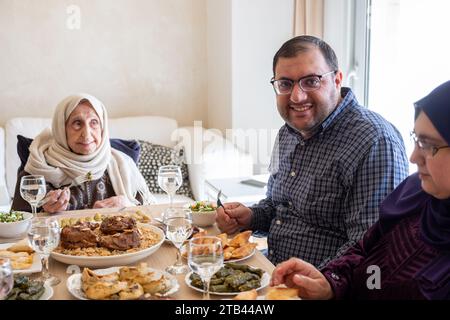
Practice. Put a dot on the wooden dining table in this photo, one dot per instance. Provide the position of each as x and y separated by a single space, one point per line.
163 257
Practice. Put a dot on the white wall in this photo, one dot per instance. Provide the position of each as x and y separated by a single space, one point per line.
140 57
250 33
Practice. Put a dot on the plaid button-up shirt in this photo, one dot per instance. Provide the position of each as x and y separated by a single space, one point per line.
324 192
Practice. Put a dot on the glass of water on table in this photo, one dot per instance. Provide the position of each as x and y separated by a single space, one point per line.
33 190
205 258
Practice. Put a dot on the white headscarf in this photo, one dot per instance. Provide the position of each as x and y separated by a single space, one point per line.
51 156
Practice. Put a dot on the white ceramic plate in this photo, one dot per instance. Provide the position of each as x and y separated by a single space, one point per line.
48 293
35 267
74 282
108 261
184 255
265 280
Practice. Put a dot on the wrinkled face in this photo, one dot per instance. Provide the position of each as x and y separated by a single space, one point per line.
434 171
304 110
83 130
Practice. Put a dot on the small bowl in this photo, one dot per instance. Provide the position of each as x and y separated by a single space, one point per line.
203 218
15 229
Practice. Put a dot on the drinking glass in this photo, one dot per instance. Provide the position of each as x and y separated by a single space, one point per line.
170 180
6 278
205 258
178 229
33 190
43 237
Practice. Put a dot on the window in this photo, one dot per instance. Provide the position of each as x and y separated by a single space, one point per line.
392 53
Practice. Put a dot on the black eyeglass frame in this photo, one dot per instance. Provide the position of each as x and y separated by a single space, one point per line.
423 146
319 76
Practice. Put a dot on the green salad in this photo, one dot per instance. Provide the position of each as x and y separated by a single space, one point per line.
202 206
12 216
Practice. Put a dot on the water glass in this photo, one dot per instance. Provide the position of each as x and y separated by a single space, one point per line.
6 277
205 258
43 237
33 190
170 180
178 229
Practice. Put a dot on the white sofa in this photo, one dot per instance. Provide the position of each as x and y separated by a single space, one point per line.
209 155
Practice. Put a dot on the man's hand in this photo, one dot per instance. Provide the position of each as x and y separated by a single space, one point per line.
57 200
296 273
236 216
113 202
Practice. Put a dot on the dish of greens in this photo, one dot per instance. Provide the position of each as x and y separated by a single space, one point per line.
12 216
26 289
232 278
202 206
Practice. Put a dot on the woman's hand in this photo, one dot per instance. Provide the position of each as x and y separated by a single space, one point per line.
113 202
296 273
57 200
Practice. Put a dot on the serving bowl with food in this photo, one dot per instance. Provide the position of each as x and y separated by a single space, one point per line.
231 279
203 213
116 240
238 248
14 224
122 283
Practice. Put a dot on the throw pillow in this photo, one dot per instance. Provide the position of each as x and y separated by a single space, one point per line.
152 157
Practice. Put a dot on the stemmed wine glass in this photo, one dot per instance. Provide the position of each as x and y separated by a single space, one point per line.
43 237
170 180
33 190
205 258
6 278
178 229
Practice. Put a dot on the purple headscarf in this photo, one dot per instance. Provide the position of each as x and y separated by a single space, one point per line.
409 198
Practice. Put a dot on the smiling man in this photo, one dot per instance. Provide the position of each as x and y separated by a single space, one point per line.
333 163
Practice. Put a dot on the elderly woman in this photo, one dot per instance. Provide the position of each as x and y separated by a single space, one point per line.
406 254
80 167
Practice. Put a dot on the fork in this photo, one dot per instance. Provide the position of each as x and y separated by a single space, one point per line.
219 203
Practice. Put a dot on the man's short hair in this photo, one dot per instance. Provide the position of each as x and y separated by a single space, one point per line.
296 45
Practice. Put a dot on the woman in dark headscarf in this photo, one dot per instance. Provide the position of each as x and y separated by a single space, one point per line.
406 254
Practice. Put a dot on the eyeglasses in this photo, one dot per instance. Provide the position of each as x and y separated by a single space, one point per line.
308 83
426 148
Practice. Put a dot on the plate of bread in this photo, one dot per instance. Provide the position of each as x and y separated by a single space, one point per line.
23 258
273 293
122 283
235 249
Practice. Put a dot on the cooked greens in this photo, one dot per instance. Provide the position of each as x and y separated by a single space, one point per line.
26 289
231 278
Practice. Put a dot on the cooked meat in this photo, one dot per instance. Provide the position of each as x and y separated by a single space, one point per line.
115 224
79 236
121 241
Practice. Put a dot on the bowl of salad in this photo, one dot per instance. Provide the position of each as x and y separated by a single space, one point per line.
203 213
14 223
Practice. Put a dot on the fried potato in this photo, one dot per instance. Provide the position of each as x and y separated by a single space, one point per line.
243 251
240 239
281 293
246 295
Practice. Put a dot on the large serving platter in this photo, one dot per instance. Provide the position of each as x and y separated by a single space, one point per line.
109 261
74 282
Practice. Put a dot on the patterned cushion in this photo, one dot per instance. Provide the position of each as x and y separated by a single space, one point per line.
152 157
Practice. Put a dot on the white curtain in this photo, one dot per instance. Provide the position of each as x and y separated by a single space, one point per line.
308 18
